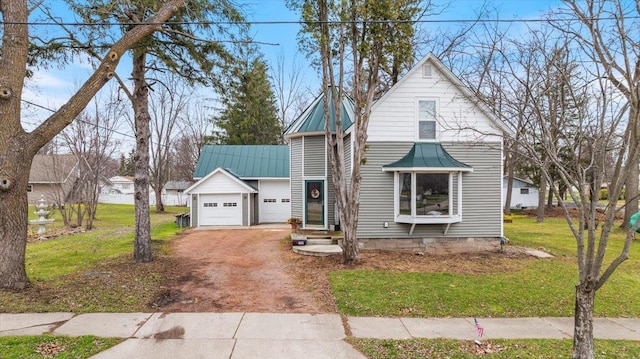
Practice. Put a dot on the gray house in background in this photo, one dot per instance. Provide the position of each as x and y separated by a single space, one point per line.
433 173
54 176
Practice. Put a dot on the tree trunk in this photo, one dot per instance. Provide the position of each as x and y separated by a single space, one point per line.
15 153
631 191
159 204
541 204
13 221
142 242
507 200
583 324
350 249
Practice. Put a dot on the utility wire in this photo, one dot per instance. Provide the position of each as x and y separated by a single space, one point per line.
80 120
167 145
300 22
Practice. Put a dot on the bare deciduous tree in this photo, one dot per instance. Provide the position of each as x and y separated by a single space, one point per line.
194 132
90 138
168 105
571 88
288 81
607 32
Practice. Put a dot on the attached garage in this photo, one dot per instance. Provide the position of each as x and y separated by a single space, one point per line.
240 185
274 201
221 199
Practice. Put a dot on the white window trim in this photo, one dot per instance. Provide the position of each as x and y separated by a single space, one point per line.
418 119
428 219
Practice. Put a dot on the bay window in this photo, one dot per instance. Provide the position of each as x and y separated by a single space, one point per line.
427 185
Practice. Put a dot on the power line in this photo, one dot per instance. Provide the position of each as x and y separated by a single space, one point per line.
91 124
300 22
80 120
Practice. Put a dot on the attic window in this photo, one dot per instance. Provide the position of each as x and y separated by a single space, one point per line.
426 120
426 71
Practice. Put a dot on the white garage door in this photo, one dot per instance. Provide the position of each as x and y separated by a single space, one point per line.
221 210
275 202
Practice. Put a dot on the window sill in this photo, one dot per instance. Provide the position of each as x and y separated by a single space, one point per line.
436 219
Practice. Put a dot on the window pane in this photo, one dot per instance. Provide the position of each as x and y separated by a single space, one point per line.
427 130
432 194
426 109
404 182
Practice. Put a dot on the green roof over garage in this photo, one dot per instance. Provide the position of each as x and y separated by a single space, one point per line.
245 161
428 156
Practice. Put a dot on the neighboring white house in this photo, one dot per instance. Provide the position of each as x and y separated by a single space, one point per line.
120 185
120 190
240 185
523 194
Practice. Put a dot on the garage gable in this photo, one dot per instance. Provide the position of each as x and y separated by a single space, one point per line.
220 181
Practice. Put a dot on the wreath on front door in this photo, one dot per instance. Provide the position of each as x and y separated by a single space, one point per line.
315 193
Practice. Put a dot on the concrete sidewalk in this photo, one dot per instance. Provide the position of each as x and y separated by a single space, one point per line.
274 335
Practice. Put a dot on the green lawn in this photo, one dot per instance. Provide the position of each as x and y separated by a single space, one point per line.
49 346
113 236
531 287
94 271
459 349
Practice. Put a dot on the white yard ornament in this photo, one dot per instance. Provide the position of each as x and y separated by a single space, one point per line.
42 212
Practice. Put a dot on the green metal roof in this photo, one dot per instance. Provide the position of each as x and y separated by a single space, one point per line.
312 119
245 161
428 155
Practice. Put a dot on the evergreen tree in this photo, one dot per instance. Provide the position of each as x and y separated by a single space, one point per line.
250 115
127 164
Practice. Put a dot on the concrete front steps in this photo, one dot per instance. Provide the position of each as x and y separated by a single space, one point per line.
315 244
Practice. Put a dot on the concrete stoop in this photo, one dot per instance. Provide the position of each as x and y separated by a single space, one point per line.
318 245
318 250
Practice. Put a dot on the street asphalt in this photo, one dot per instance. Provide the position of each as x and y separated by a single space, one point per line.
277 335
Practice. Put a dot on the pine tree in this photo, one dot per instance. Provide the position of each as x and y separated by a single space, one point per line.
250 114
126 164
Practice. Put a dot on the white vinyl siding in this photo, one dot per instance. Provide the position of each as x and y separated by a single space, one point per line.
393 119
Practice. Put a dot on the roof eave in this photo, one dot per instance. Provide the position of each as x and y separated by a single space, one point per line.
427 169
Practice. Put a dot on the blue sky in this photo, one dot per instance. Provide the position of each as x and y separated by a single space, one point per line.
285 34
52 87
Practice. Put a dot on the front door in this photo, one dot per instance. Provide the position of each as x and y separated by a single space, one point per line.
314 204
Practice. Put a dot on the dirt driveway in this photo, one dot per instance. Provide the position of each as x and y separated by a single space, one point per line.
236 270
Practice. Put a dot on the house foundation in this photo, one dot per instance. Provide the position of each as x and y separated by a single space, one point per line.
437 245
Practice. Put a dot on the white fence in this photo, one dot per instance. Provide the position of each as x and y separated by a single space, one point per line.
167 199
